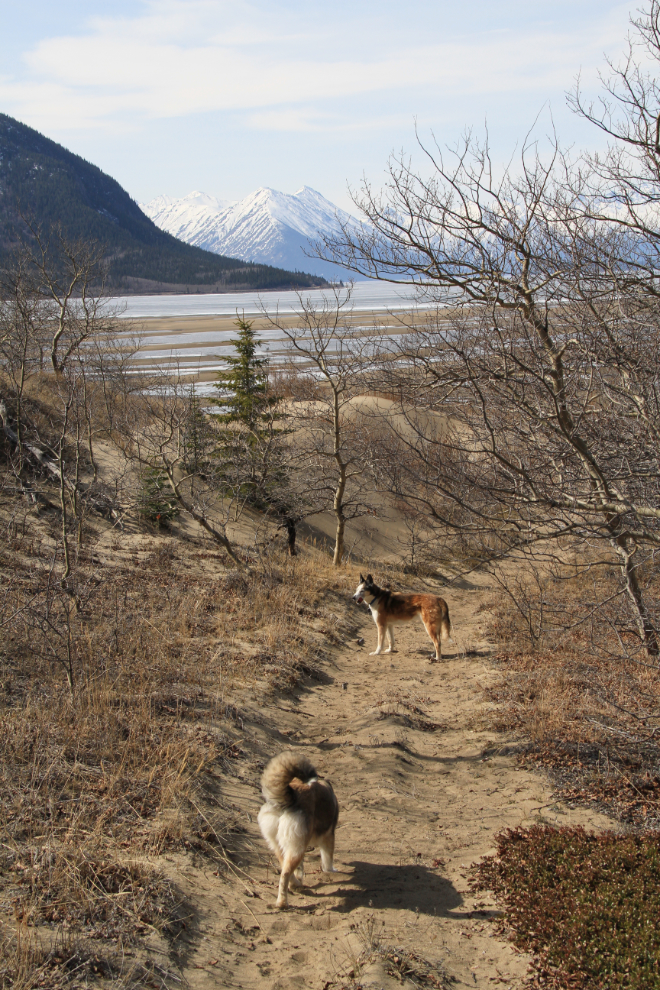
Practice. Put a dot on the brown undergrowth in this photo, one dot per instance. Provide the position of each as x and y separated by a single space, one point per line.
585 701
582 694
121 693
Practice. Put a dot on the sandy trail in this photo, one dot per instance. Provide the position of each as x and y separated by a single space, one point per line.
422 787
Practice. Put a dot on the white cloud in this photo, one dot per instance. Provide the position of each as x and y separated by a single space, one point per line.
191 56
312 121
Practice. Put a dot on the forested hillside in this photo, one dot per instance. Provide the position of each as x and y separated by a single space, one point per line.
51 188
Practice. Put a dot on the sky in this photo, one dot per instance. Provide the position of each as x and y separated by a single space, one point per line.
171 96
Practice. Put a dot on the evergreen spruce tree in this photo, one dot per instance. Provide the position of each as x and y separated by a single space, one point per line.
242 387
249 453
156 503
198 438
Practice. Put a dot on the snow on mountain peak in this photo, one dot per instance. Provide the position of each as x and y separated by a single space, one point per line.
198 198
267 226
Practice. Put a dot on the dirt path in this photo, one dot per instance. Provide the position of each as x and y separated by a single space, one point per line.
422 791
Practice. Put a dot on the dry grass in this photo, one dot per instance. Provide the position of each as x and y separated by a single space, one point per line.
376 960
121 706
408 708
588 705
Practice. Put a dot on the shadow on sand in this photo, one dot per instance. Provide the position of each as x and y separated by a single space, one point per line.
409 887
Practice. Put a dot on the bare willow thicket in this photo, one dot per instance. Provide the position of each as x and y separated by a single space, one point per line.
331 453
54 323
56 288
543 352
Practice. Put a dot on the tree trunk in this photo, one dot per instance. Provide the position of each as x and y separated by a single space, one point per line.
338 503
646 629
291 536
338 506
211 530
339 540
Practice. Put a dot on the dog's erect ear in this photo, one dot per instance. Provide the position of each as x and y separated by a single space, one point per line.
370 579
361 579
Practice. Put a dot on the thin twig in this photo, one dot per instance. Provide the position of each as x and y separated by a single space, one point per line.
252 913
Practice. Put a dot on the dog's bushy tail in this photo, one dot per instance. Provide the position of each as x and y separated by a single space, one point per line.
446 629
280 772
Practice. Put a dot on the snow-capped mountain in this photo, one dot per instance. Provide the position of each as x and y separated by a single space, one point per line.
267 226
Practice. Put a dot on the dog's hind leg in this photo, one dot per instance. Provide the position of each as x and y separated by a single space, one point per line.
291 862
434 636
292 838
269 822
327 847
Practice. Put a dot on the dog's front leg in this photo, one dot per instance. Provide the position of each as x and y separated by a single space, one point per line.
381 638
390 636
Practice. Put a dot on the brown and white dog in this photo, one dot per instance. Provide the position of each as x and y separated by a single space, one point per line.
391 607
300 809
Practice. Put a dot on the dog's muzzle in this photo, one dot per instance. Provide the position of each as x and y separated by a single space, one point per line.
358 600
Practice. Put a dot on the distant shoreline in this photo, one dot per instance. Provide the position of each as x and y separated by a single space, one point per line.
206 290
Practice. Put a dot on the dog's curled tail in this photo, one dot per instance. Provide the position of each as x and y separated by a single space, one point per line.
279 773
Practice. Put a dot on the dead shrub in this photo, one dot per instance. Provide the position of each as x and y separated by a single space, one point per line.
109 897
577 688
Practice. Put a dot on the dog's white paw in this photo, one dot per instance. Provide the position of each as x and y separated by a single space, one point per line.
376 653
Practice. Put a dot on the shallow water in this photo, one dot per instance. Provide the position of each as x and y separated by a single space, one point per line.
367 295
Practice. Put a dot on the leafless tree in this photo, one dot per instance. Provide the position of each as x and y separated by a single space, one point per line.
478 445
48 382
329 442
63 280
624 181
542 356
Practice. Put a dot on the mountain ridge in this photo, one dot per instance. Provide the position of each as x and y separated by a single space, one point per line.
267 226
59 190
